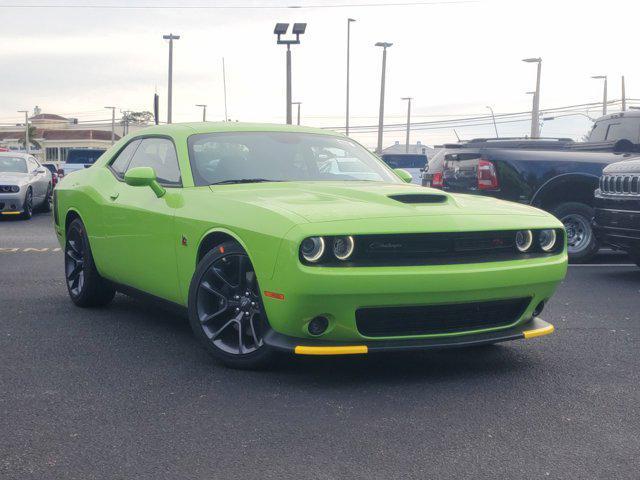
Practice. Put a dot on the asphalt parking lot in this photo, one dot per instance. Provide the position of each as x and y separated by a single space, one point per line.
126 392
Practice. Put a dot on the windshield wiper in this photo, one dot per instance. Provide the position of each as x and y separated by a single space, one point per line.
245 180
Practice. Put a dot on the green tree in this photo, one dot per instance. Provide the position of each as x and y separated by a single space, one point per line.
32 142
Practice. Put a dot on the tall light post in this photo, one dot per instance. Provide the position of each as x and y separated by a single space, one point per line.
349 22
298 104
384 46
204 111
408 100
171 37
624 96
533 107
26 130
113 124
493 116
604 92
535 111
279 30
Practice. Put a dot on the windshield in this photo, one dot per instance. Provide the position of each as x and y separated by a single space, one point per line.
281 156
13 164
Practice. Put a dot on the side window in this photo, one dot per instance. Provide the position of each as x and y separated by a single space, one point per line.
33 165
159 154
119 165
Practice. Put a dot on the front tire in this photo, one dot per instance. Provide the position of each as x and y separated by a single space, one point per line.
582 244
27 206
46 205
85 285
226 311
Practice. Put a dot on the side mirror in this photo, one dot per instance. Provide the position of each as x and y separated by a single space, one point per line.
144 177
39 170
403 174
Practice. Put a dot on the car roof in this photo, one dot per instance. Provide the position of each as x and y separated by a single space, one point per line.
215 127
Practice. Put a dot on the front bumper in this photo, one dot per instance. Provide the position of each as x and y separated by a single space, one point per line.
618 228
532 329
11 203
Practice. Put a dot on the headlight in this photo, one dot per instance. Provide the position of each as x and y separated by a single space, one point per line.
312 248
547 240
15 189
524 239
343 247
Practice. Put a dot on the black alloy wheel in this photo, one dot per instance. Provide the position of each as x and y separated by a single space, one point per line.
226 310
27 206
85 285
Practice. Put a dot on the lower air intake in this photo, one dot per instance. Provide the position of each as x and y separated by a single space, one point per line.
433 319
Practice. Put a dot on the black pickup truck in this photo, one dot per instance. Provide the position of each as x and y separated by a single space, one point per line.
547 174
617 208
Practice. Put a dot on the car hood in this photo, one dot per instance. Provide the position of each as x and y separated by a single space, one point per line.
335 201
13 177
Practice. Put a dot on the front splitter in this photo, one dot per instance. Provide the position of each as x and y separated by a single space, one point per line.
303 346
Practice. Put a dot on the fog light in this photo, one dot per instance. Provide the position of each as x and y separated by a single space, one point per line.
524 239
318 325
538 310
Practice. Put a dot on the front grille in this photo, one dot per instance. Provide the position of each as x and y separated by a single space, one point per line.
438 249
434 319
620 184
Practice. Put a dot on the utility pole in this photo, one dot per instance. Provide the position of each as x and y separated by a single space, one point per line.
298 104
624 97
604 92
26 130
171 37
113 124
384 46
349 22
408 99
224 84
279 30
535 111
493 116
204 111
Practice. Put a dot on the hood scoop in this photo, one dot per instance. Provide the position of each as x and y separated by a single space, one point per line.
419 198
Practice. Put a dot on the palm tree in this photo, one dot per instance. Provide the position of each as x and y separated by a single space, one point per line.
32 142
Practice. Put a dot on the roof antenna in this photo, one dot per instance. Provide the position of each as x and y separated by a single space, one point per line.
457 136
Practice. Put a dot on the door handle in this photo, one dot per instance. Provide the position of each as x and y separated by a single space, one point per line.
113 196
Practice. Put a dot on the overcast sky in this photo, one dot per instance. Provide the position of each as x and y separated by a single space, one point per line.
454 58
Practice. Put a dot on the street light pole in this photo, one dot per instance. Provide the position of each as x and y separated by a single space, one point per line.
408 99
171 37
298 104
26 130
493 116
279 30
604 92
535 111
384 46
204 111
624 96
349 22
113 124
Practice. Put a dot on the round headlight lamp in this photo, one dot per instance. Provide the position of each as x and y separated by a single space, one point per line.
312 248
524 239
15 188
547 240
343 247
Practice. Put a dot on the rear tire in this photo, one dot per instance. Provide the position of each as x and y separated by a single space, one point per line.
582 244
85 285
46 205
226 311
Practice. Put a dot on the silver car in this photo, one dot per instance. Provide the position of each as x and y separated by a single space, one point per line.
24 185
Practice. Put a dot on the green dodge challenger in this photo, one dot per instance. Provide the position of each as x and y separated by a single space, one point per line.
278 238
